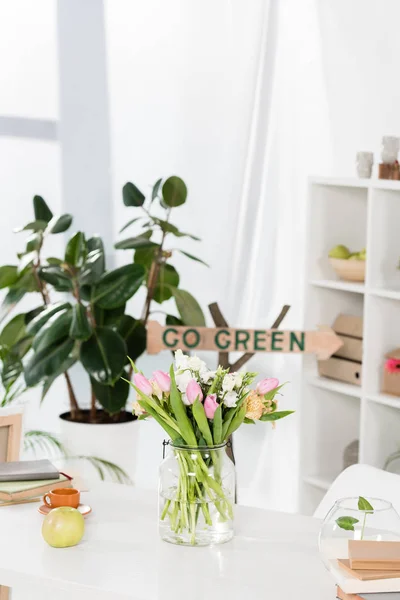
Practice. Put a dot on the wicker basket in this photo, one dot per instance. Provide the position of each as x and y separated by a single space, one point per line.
349 270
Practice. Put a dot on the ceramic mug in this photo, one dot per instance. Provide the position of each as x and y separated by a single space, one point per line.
62 497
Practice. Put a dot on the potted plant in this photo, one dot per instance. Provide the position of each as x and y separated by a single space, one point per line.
81 317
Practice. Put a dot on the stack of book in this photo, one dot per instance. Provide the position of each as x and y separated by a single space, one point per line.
27 481
372 571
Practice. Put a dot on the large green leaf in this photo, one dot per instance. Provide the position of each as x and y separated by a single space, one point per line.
188 308
42 211
8 275
14 295
61 223
33 242
132 196
363 504
37 323
347 523
96 243
63 367
11 370
33 226
111 397
76 250
13 331
112 316
103 355
168 278
174 191
30 315
276 416
140 241
57 277
47 362
145 256
171 320
56 328
116 287
134 333
80 328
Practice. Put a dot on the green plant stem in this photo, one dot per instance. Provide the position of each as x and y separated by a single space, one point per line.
363 526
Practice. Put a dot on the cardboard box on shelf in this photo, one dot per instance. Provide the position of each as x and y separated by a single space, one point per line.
346 364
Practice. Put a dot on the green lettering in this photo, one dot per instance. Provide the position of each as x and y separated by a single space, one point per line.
196 338
242 337
257 341
164 337
277 338
294 340
222 346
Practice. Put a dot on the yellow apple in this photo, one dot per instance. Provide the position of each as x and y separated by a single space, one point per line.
339 251
63 527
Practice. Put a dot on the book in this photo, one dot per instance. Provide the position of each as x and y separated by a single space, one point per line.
28 470
379 596
351 585
367 574
374 555
11 491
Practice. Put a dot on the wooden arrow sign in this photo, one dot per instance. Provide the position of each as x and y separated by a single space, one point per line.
323 342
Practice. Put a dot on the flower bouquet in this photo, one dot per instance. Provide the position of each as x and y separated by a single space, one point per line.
199 409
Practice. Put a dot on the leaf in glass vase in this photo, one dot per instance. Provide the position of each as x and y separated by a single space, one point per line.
347 523
103 355
132 196
363 504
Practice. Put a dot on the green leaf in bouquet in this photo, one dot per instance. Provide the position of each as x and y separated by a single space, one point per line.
171 320
134 333
103 355
156 189
171 431
202 421
179 410
80 327
188 308
129 223
59 224
37 322
111 397
57 277
33 242
132 196
174 191
217 425
8 275
42 211
363 504
133 243
193 257
275 416
75 252
38 225
116 287
167 280
62 368
272 393
249 421
145 256
54 330
347 523
237 420
13 331
46 362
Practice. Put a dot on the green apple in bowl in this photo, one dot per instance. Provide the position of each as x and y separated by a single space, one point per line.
339 251
63 527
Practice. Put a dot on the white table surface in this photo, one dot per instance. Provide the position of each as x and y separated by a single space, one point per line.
273 556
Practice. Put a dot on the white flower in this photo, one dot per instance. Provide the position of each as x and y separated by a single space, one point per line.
207 375
196 364
181 360
230 399
228 383
238 377
137 409
185 400
182 379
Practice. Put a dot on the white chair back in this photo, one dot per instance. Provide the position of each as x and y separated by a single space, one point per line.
361 480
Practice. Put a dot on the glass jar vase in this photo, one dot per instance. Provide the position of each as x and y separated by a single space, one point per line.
377 520
196 495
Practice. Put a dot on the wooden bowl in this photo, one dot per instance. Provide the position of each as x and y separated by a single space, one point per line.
349 269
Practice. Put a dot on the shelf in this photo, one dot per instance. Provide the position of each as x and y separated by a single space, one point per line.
339 387
385 399
322 482
355 182
386 293
344 286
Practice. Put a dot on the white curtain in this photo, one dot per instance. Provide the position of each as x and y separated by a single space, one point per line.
288 140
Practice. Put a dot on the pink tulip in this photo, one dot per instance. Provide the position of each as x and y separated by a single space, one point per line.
266 385
193 391
163 380
143 384
210 405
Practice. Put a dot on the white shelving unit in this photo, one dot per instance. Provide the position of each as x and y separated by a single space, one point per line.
360 214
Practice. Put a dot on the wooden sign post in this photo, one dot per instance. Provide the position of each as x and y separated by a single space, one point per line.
323 342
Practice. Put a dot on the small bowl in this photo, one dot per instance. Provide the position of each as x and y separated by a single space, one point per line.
349 269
